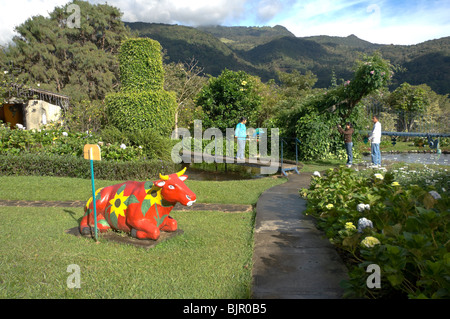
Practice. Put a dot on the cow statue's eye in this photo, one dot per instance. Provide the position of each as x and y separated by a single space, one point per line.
171 187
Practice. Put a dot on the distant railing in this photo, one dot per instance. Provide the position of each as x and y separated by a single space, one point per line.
284 169
432 143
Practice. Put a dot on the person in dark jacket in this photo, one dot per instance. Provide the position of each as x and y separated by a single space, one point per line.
348 132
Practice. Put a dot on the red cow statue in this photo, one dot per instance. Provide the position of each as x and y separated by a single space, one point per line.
139 208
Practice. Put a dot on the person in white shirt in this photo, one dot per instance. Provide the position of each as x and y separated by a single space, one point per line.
375 139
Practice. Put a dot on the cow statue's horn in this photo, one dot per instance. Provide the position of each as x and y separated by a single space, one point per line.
164 177
181 172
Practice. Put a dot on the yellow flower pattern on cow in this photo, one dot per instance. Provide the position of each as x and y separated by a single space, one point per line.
140 208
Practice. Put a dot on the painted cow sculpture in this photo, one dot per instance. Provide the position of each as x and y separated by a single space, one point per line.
139 208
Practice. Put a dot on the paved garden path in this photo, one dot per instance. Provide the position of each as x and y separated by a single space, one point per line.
292 259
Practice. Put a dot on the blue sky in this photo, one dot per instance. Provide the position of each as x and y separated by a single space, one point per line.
377 21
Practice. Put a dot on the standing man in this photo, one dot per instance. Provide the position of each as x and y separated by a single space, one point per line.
375 139
348 141
241 134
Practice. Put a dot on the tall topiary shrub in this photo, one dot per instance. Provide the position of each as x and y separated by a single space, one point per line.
141 67
142 102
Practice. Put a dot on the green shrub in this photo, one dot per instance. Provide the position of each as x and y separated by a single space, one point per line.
409 235
130 111
85 116
317 132
142 102
141 67
115 145
154 145
225 99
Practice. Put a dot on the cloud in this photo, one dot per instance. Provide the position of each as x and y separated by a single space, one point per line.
377 21
384 22
199 12
16 12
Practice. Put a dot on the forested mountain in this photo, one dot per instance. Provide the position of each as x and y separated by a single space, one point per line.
262 51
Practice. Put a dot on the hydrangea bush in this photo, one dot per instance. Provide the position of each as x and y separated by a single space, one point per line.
53 139
372 218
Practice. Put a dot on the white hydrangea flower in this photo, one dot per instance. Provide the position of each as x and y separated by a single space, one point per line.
360 208
435 194
364 223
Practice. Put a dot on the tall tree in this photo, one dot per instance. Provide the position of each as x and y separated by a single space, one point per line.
296 84
186 81
227 98
75 59
411 102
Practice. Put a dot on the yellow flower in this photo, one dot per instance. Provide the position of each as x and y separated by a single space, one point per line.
395 184
154 195
350 226
329 206
90 199
118 204
370 242
244 82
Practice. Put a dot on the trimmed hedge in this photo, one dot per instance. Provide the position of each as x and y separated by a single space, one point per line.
70 166
142 110
142 102
141 67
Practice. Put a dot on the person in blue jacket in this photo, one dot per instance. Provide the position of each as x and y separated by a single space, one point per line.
240 134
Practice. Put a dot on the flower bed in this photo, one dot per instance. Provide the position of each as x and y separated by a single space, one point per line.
385 219
54 140
52 151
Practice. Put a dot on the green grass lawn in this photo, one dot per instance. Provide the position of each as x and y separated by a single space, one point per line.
400 146
311 166
211 259
46 188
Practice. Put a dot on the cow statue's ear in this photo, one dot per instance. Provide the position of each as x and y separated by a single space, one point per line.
159 183
183 177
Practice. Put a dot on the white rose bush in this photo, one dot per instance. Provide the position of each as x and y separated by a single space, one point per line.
373 217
